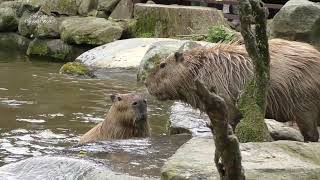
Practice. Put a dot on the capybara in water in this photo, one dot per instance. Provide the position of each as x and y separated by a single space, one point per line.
293 95
126 118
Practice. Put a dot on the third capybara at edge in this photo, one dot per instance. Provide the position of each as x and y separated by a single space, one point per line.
127 118
293 94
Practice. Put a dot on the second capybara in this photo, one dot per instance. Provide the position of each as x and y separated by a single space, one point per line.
126 118
293 94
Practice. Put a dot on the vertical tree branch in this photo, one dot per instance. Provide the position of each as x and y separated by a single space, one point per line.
227 154
253 103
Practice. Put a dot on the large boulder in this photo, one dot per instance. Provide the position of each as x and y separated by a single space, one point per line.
89 30
298 20
54 48
13 41
39 25
263 161
172 20
8 20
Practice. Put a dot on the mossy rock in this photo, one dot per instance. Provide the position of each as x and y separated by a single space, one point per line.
8 20
76 69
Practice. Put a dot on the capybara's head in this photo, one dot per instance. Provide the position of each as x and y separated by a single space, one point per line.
130 109
171 78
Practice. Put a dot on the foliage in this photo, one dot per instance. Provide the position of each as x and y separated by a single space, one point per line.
220 34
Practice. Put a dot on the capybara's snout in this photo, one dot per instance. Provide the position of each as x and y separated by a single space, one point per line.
140 106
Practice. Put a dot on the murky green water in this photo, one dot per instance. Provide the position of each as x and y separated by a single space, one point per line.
43 112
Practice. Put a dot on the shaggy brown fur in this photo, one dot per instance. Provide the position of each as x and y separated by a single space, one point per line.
126 118
294 93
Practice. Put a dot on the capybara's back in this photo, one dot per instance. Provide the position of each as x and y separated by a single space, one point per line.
126 118
293 95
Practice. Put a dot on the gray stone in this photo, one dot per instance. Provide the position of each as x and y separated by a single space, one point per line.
13 41
263 161
39 25
298 20
87 6
172 20
280 131
107 5
185 119
50 167
63 7
123 10
159 51
54 48
89 30
8 20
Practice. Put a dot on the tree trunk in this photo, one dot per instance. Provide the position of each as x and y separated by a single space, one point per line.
252 103
227 155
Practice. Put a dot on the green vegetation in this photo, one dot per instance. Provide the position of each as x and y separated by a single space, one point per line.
220 34
74 68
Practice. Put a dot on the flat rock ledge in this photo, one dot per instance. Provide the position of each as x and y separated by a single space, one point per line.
285 160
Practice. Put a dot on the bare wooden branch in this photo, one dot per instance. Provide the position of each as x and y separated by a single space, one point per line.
227 155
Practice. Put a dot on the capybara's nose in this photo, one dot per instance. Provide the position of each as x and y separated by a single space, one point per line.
141 102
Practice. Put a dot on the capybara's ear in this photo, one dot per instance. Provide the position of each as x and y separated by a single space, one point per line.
178 56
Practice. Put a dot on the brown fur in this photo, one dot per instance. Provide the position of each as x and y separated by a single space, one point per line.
126 118
293 95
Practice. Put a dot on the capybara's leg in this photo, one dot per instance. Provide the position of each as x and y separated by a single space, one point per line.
307 123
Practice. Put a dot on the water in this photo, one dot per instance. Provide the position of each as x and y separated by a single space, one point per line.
45 113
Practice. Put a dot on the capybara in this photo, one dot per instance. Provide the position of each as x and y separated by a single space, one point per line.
126 118
293 95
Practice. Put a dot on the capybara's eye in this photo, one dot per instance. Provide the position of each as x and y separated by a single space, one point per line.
144 101
135 103
162 65
119 98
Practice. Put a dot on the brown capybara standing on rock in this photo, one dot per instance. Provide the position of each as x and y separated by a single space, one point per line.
126 118
293 95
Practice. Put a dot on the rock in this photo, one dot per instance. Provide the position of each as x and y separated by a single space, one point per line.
8 20
107 6
63 7
54 48
13 41
39 25
158 51
280 131
172 20
123 10
76 69
298 20
50 167
263 161
89 30
86 6
185 119
19 7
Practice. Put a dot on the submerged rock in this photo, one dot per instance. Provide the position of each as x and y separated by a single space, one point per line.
50 167
13 41
54 48
8 20
76 69
173 20
89 30
263 161
298 20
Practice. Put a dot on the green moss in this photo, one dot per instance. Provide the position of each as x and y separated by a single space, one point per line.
37 47
146 35
252 127
74 68
220 34
145 25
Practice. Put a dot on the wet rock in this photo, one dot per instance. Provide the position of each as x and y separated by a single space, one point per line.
89 30
13 41
107 6
263 161
124 9
298 20
54 48
172 20
8 20
87 6
39 25
158 51
185 119
48 167
76 69
280 131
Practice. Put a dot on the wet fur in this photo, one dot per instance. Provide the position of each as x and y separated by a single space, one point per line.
121 122
293 95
